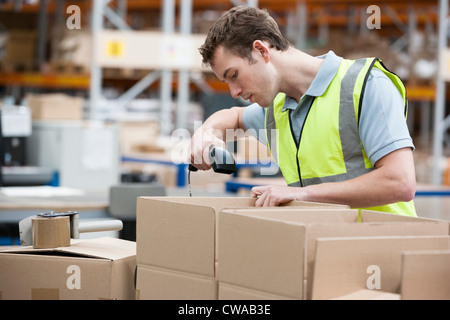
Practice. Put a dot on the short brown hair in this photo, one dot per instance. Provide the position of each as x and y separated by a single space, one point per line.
237 29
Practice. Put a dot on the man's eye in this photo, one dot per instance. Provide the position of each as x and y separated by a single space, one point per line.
235 75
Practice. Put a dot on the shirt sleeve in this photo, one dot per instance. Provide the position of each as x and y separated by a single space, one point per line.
383 127
253 120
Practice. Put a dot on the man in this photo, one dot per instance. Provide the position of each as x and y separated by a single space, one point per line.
336 127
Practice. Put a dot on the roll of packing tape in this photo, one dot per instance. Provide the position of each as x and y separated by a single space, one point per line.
51 232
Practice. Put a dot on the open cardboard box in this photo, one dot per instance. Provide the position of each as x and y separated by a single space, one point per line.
272 251
345 265
101 268
177 247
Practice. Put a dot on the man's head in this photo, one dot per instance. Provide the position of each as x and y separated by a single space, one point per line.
236 31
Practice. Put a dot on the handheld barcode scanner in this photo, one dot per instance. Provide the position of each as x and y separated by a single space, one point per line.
222 162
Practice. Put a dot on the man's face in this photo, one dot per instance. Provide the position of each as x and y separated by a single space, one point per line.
252 81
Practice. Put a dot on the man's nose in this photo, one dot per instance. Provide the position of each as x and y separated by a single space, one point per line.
235 91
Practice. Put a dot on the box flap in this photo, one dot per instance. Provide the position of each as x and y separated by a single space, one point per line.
425 275
222 202
104 248
213 202
176 236
378 216
262 254
302 215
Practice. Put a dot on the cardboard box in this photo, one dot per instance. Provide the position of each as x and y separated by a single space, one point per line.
72 48
20 51
178 235
366 294
425 275
232 292
89 269
55 106
273 250
345 265
166 284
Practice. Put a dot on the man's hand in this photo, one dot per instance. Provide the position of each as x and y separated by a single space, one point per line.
269 196
199 147
213 133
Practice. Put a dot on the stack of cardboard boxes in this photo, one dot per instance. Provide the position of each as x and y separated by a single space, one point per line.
225 248
177 245
222 248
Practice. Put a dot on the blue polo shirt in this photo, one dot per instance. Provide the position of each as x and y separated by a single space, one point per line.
382 123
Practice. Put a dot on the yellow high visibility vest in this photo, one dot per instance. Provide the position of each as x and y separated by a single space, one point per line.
330 148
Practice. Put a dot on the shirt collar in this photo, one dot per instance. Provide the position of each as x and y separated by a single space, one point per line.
326 73
322 80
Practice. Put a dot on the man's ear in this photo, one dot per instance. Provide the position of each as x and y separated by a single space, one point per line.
262 49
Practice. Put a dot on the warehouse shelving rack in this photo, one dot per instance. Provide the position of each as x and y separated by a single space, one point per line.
165 76
441 120
321 14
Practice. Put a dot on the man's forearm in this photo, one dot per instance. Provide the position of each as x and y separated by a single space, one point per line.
392 181
372 189
223 120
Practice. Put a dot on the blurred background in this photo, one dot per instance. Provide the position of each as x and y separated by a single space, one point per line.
98 97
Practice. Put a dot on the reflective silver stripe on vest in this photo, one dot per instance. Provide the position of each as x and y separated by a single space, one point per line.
348 124
311 181
335 178
348 131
